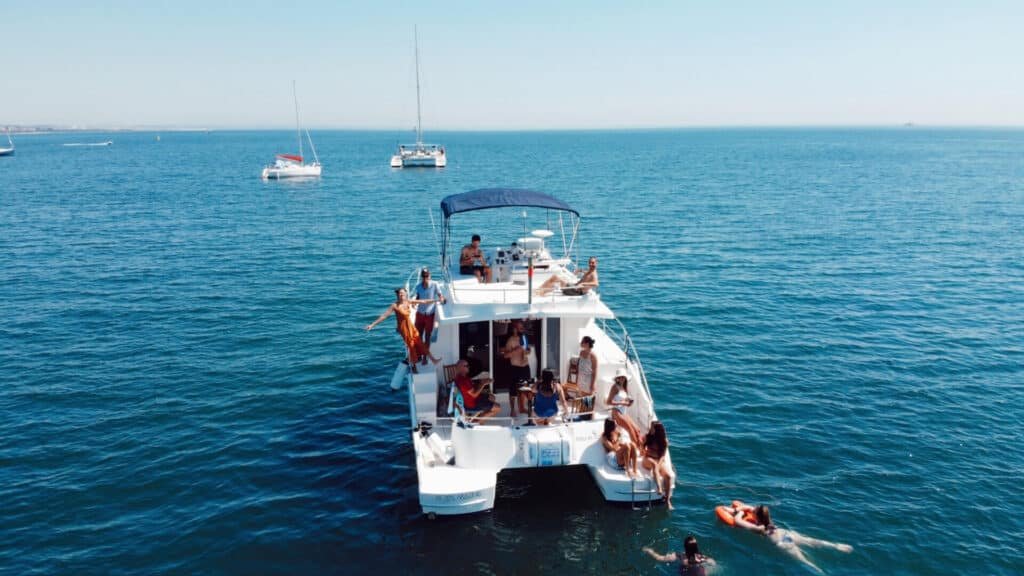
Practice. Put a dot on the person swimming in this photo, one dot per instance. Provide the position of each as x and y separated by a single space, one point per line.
691 561
758 519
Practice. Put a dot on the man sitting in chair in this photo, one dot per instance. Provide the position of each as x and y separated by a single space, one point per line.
472 261
475 405
588 280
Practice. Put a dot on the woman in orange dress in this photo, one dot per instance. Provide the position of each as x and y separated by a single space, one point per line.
402 308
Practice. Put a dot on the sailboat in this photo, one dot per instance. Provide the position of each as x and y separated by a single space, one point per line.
419 154
8 151
292 165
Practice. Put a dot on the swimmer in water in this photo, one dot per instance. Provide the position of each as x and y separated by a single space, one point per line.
691 561
788 540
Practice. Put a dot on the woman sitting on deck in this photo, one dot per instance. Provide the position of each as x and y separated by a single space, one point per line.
655 450
619 400
622 453
548 394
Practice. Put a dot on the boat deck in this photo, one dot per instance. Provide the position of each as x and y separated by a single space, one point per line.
466 295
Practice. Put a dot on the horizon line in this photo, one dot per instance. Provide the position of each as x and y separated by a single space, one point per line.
43 128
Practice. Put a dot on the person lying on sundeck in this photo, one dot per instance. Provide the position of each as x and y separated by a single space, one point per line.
587 281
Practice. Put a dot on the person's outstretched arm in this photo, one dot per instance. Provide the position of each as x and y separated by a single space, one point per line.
743 523
670 557
381 318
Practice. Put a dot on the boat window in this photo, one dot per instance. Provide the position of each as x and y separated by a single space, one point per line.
474 345
552 347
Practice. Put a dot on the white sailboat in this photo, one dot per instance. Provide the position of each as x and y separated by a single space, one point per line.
10 150
419 154
292 165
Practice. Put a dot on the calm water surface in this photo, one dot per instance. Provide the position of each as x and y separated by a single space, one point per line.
832 322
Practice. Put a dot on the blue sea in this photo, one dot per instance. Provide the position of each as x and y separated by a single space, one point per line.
832 322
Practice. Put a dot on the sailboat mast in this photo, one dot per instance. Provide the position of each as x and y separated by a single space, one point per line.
298 128
419 121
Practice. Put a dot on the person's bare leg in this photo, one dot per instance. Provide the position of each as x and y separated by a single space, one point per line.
655 473
622 459
670 482
547 286
799 555
816 543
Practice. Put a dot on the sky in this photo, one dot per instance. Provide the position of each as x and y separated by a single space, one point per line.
520 65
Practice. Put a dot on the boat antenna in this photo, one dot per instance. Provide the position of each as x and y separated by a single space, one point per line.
437 240
419 121
298 130
524 223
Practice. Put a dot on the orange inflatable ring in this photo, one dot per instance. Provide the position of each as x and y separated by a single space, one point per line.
727 514
724 514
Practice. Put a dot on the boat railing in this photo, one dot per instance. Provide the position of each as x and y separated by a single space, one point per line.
444 424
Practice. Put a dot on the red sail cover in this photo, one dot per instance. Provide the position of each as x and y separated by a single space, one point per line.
292 157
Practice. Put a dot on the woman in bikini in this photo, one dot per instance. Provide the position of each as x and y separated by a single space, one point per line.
655 449
619 400
622 453
758 519
402 309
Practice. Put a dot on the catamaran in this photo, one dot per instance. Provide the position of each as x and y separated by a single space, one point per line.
458 461
9 151
419 154
291 165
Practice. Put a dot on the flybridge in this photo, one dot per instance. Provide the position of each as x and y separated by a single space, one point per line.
493 198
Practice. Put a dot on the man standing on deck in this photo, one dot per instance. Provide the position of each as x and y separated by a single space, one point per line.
427 289
517 352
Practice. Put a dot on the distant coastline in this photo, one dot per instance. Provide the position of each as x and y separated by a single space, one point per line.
26 130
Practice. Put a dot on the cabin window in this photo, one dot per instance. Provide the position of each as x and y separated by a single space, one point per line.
474 338
552 347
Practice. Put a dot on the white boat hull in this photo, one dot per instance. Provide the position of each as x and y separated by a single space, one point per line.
419 160
6 151
296 171
458 474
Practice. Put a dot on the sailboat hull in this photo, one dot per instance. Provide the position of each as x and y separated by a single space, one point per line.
6 151
298 171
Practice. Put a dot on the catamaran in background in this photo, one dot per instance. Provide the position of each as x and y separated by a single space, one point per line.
419 154
291 165
8 151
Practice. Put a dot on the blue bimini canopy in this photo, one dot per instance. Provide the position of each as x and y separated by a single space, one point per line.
500 198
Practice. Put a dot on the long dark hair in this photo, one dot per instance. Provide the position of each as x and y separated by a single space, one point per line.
656 438
764 517
690 548
609 427
546 379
